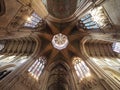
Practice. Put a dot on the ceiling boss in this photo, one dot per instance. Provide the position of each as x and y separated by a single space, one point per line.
60 41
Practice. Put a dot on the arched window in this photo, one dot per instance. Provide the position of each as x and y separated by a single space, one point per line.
95 19
33 21
88 22
116 47
99 16
36 69
81 69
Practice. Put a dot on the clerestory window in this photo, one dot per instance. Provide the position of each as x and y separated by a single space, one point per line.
36 69
81 68
33 21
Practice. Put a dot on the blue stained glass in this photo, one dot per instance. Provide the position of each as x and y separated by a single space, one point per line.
89 23
34 23
87 20
92 27
36 16
36 69
29 25
34 20
116 47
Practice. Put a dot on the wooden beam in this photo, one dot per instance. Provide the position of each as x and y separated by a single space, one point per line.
46 36
48 48
76 36
52 27
68 29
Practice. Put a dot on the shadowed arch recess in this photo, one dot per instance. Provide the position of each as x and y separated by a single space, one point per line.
2 7
59 77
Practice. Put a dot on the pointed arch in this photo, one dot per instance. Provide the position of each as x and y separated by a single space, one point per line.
60 76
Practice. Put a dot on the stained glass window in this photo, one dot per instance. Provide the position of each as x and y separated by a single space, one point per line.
81 68
116 47
95 18
36 69
99 16
33 21
88 22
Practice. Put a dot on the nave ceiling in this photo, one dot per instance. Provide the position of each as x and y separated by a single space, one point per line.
60 19
14 27
54 22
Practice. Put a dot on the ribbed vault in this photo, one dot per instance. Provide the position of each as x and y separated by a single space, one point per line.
99 48
20 46
57 73
58 78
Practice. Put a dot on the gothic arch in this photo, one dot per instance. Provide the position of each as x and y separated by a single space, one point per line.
38 45
82 46
60 75
52 65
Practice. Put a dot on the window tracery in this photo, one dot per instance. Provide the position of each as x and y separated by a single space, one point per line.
33 21
81 68
36 69
88 22
95 19
99 16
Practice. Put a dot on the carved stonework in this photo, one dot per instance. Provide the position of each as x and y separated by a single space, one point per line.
20 17
24 82
88 84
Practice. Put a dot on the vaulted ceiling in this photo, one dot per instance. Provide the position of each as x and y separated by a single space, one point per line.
59 16
61 8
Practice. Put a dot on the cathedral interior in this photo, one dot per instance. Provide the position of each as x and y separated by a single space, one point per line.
59 44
